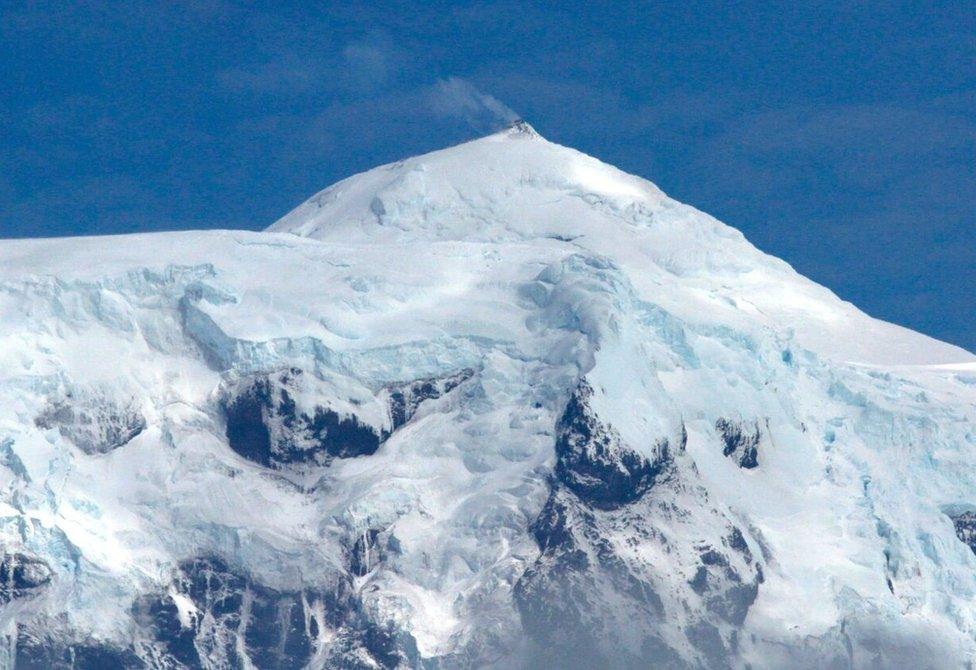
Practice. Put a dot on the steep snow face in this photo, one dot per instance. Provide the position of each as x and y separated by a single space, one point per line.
497 406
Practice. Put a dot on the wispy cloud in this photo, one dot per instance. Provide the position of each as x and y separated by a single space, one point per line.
370 64
459 98
287 73
362 68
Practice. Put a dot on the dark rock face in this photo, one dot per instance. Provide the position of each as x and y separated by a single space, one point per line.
22 576
555 595
369 648
229 620
231 617
593 597
594 463
585 603
406 398
212 616
596 474
965 525
37 653
723 589
265 425
95 424
741 441
366 553
588 602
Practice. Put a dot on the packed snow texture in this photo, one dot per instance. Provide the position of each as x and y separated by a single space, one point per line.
501 405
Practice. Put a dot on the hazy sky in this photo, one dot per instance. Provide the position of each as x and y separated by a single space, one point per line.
839 136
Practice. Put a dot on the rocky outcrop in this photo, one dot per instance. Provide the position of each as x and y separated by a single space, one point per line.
595 596
593 462
370 549
265 424
48 653
405 399
740 440
214 616
22 576
965 524
723 588
94 422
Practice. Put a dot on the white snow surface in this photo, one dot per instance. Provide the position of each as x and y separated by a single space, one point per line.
534 265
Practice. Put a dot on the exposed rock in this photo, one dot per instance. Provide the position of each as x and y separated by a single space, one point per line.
965 525
741 441
213 616
94 422
366 553
266 425
45 653
406 398
22 576
721 586
595 597
593 461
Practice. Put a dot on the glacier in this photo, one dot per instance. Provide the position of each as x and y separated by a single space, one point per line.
497 406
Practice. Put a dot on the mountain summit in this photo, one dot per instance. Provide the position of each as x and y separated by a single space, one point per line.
501 405
516 187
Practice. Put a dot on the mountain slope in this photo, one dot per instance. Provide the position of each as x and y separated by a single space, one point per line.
499 405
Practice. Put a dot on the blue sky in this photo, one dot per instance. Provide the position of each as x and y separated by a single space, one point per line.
839 136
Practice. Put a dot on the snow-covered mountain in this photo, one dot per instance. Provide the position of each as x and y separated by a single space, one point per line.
501 405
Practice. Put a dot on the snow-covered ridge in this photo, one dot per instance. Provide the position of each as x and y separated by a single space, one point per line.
499 405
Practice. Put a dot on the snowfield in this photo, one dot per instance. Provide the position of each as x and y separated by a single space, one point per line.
501 405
